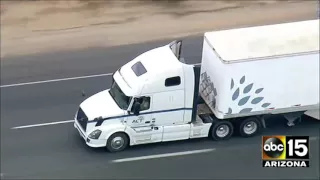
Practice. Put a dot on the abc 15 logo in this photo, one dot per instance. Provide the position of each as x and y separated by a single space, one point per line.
285 147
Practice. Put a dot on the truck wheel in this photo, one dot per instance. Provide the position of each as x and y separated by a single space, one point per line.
249 127
222 130
117 142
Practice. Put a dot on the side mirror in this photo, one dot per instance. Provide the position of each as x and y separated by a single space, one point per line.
83 94
98 118
136 108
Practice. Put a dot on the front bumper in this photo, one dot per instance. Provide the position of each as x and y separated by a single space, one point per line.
94 143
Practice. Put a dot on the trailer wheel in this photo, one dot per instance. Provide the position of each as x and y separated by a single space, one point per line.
249 127
117 142
222 130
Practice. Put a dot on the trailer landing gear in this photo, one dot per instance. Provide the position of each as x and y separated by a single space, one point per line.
292 118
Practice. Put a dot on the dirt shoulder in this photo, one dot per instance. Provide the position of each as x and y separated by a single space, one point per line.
41 26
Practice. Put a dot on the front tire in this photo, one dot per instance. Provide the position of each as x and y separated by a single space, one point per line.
222 130
117 142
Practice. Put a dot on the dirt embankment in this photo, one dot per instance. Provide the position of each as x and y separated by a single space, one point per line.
39 26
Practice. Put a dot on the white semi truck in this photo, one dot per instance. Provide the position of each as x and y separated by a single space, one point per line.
245 75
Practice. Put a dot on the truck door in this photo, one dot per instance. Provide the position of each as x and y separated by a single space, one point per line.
170 115
142 126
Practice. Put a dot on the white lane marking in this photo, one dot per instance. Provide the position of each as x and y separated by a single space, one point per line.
163 155
44 124
55 80
62 79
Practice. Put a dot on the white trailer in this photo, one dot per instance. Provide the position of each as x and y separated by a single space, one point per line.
261 70
245 74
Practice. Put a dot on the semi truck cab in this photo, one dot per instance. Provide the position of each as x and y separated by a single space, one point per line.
153 98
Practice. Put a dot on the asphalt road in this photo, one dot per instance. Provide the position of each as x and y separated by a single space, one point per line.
57 151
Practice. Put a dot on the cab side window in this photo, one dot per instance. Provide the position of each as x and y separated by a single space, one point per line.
145 103
172 81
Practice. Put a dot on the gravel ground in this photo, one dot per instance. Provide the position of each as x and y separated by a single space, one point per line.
40 26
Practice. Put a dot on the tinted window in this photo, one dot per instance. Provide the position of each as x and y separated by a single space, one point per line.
119 97
138 69
145 103
173 81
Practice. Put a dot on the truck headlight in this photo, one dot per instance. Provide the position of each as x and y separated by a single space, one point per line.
95 134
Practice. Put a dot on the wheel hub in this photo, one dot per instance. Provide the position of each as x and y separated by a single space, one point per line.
117 142
250 127
222 131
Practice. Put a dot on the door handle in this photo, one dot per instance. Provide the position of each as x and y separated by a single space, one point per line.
147 122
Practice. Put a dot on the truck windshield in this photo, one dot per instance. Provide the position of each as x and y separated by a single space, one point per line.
119 97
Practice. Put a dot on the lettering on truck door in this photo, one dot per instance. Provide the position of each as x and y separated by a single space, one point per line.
142 125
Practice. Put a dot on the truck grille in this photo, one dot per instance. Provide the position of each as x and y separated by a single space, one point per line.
82 119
